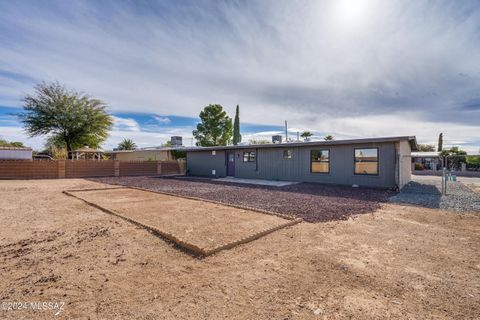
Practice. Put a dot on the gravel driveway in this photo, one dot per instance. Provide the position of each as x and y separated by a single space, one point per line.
312 202
427 191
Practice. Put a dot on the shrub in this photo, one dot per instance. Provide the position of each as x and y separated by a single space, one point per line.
419 166
179 154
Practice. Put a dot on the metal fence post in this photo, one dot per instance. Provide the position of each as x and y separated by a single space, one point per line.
443 181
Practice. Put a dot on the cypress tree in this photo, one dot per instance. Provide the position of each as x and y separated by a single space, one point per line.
440 142
237 137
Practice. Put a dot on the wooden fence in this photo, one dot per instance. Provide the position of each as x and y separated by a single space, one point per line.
57 169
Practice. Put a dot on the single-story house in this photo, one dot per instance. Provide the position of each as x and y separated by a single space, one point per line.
15 153
376 162
429 161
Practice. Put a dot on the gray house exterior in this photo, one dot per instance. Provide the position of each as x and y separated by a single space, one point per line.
378 162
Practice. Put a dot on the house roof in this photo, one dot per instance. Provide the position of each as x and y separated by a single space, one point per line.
87 150
16 148
411 139
429 154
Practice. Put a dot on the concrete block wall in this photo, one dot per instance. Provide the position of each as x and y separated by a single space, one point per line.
28 169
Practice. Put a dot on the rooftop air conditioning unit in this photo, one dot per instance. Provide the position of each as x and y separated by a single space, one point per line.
176 141
277 139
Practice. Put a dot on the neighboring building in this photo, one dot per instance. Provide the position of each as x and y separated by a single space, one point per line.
426 161
87 153
430 163
15 153
377 162
163 154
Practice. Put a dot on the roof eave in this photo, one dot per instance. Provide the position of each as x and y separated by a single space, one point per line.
412 140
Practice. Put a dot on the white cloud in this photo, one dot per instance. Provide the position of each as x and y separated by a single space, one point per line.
10 133
127 124
141 138
149 139
162 120
370 69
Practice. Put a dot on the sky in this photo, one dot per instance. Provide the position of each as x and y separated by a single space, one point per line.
348 68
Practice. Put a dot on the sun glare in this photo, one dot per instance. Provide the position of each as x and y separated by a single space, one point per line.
352 12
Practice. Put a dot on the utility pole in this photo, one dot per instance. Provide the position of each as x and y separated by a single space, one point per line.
286 131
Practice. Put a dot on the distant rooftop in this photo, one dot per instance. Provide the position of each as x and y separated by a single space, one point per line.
16 148
147 149
425 154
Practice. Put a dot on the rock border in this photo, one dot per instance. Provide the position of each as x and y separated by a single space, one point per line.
189 247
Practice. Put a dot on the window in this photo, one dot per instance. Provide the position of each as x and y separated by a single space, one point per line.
249 156
320 161
366 161
287 154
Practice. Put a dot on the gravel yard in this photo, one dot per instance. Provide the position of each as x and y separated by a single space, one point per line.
427 191
312 202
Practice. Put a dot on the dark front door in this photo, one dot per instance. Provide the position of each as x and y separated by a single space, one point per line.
231 163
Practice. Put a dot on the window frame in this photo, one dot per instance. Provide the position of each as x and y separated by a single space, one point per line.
355 162
289 153
249 156
311 162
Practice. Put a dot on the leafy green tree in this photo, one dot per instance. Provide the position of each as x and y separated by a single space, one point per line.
453 151
306 135
455 157
127 144
237 137
5 143
426 147
328 138
440 142
72 118
473 160
473 163
259 141
17 144
215 128
57 141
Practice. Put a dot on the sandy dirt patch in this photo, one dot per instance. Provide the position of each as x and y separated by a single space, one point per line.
200 226
399 262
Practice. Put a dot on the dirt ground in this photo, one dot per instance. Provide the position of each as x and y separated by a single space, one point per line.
398 262
200 224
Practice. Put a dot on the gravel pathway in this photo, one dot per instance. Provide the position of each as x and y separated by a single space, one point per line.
312 202
427 192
